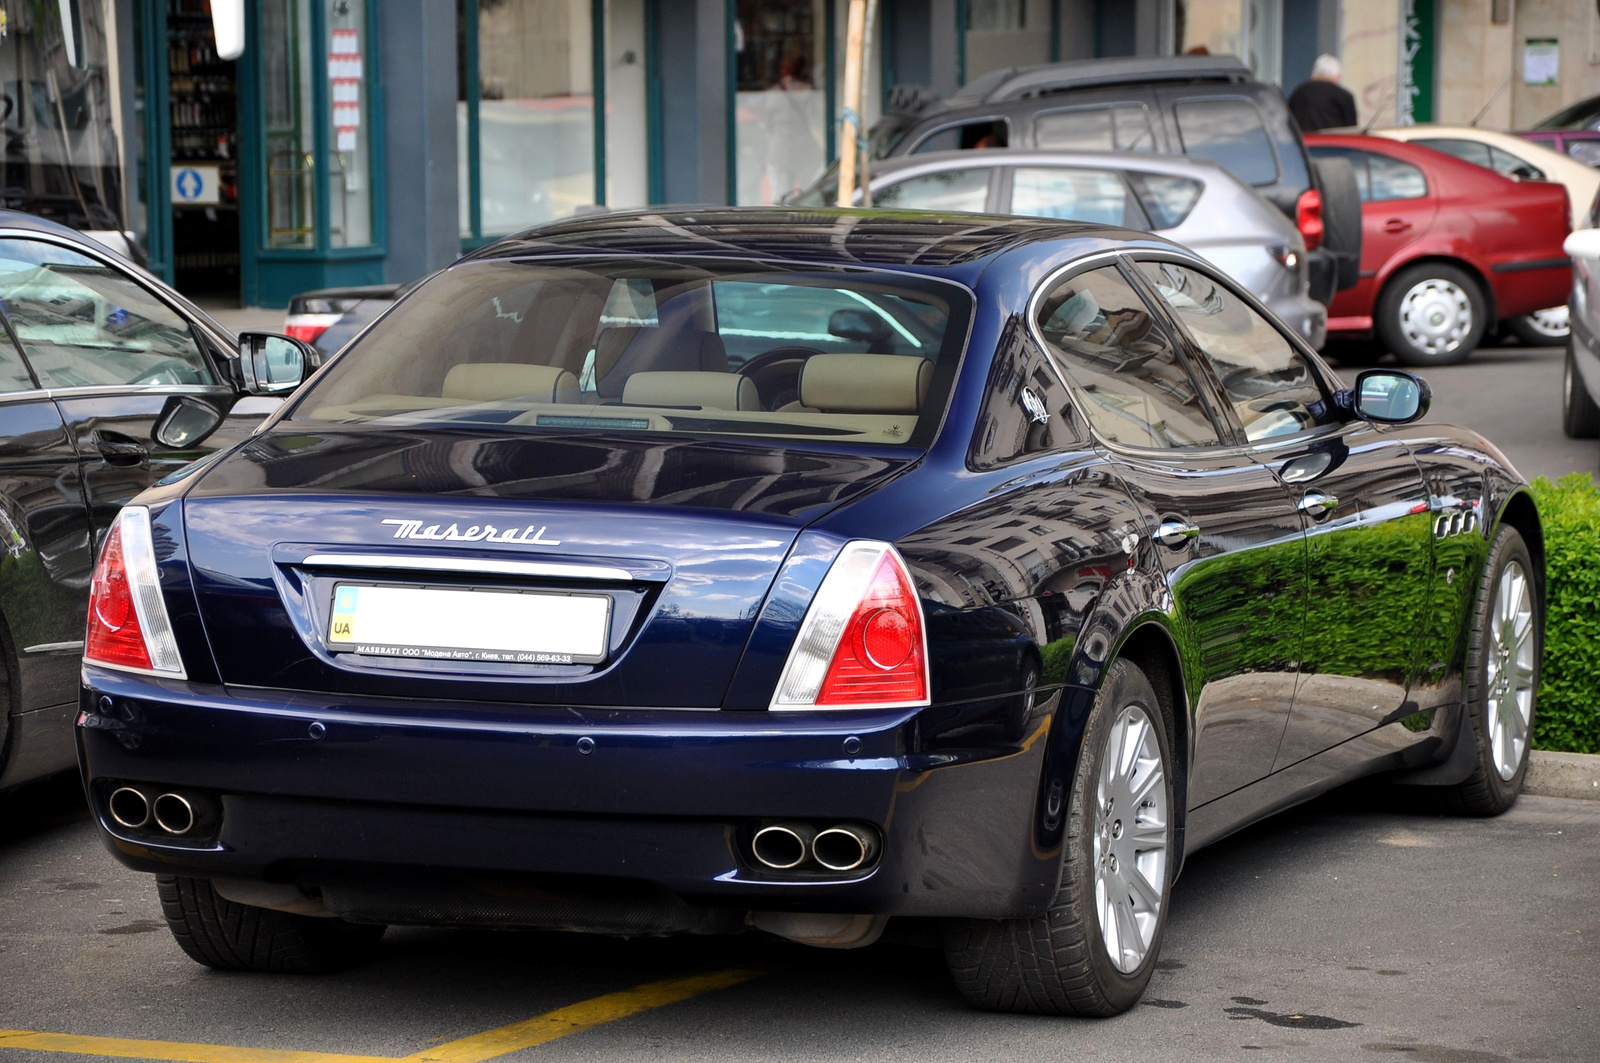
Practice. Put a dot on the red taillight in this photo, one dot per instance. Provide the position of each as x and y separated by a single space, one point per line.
114 634
862 641
1308 217
879 659
307 327
128 625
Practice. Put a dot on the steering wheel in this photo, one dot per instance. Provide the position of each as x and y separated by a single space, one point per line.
772 381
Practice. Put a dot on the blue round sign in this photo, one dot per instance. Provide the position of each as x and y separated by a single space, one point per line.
189 184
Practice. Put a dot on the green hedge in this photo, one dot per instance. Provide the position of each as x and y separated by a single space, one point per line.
1569 689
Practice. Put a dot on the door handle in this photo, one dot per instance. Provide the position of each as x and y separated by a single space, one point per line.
1396 225
1175 532
1317 505
118 449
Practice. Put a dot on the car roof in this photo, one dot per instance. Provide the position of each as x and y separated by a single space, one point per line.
1020 82
829 237
16 219
1186 165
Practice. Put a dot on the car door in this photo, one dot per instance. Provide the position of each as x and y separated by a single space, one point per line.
1117 119
45 558
1360 493
118 360
968 188
1222 527
1071 193
1397 209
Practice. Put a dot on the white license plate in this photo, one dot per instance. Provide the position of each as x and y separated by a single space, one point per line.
441 623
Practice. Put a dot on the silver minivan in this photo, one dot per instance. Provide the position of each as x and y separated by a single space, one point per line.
1182 197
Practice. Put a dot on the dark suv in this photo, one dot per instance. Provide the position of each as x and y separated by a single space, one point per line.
1178 105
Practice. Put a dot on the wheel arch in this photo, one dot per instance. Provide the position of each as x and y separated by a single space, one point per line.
1150 645
1521 512
1479 277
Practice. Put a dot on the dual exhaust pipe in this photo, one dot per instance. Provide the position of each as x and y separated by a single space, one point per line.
785 846
172 813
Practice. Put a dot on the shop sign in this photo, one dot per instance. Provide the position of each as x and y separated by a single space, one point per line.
196 185
1414 83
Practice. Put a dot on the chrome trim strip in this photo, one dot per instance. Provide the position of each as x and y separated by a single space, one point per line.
55 647
485 566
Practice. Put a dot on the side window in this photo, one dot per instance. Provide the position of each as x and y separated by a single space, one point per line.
1167 198
947 190
1099 196
1358 165
14 375
1026 410
1465 150
1132 384
1273 390
1508 164
83 323
1390 178
1585 151
989 133
1120 127
1230 132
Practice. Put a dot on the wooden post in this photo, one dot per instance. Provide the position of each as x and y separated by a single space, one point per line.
850 135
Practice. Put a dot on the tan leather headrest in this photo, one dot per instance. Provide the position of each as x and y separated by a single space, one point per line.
713 391
487 381
865 383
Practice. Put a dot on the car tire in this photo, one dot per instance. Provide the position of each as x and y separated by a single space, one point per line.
1580 417
228 936
1341 218
1502 663
1542 328
1061 963
1431 314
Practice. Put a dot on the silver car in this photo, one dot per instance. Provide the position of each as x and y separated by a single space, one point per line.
1184 198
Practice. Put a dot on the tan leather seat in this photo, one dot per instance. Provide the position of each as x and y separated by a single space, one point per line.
711 391
488 381
865 383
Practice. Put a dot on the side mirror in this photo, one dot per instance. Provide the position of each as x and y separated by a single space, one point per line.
1390 396
1582 243
270 364
185 422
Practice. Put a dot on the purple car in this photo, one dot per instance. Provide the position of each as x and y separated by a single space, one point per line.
1580 144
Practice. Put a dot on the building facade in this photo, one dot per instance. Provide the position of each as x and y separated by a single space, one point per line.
359 141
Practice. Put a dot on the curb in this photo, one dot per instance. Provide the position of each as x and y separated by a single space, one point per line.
1575 775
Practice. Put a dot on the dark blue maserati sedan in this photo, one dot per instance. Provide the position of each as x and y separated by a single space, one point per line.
797 571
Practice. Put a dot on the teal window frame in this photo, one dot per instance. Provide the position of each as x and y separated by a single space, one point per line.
253 141
476 237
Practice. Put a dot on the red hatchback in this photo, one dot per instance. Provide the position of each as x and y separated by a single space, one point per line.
1446 248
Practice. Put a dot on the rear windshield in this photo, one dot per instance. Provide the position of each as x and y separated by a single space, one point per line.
608 346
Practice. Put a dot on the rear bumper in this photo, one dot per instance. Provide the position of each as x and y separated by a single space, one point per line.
407 794
1303 314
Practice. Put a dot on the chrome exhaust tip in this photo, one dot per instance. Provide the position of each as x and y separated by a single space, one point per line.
782 845
174 814
845 847
129 807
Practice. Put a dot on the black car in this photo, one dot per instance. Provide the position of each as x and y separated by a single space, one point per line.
109 381
1210 106
799 570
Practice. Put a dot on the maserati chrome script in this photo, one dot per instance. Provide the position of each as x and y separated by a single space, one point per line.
486 533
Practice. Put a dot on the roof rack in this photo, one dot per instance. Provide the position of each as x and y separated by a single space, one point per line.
1021 82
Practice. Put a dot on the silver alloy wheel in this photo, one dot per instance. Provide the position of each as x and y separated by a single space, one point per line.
1131 828
1555 322
1436 316
1510 670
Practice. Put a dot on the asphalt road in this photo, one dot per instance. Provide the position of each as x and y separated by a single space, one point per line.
1343 930
1351 928
1512 395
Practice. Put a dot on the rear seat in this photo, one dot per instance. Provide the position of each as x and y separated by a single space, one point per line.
865 383
711 391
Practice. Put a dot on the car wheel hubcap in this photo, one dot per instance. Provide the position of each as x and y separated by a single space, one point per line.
1510 670
1436 316
1130 838
1554 322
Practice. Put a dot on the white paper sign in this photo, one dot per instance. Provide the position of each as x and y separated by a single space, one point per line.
1541 61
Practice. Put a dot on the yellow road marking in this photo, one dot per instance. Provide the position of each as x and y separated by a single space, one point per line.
478 1048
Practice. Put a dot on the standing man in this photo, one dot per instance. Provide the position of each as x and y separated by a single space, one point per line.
1322 103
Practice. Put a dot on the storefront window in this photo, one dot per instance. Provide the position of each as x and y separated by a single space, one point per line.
781 111
526 113
286 67
60 152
